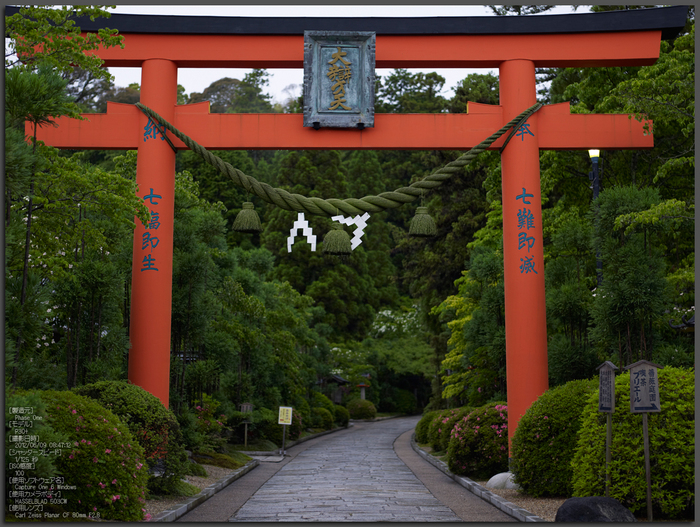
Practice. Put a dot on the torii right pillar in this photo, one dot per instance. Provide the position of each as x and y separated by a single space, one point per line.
523 254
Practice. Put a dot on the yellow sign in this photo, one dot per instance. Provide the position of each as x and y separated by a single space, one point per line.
285 417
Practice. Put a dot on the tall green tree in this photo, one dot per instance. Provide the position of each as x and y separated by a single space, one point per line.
404 92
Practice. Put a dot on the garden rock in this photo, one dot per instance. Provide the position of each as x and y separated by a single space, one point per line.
504 480
593 509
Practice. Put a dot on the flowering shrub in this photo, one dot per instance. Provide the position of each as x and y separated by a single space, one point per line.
545 441
104 462
437 426
154 427
210 424
671 448
448 423
479 442
422 426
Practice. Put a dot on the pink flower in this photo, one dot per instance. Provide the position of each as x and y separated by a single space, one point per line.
89 442
83 441
102 485
94 508
114 481
94 460
73 412
108 451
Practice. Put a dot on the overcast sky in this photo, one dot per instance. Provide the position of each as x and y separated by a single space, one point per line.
196 80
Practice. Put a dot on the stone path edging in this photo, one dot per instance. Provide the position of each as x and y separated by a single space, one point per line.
186 506
509 508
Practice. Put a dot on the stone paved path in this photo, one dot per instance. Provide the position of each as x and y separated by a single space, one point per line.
354 477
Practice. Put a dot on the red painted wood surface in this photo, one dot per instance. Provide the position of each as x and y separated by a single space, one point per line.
436 51
119 129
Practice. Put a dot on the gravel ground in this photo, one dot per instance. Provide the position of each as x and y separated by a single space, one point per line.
156 506
545 508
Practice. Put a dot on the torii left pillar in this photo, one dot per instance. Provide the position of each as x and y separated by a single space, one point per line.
152 267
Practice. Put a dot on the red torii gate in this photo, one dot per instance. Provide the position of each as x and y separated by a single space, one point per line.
515 45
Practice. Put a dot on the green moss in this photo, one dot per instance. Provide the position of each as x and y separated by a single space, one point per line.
182 488
261 445
218 460
195 469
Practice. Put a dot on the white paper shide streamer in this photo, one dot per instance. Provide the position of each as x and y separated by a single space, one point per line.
302 224
360 222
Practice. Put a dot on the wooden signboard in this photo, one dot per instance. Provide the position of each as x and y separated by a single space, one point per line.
606 399
644 387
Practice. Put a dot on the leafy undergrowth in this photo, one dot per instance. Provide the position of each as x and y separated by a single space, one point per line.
180 488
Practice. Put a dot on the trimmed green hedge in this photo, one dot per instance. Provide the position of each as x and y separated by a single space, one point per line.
320 400
423 425
321 418
342 416
545 440
361 409
672 448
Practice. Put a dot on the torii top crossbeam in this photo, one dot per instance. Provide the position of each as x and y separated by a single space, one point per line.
584 40
515 45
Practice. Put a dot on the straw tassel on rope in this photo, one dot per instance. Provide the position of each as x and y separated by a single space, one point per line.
337 241
247 220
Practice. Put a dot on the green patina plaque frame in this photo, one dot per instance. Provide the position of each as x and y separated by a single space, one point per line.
339 79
